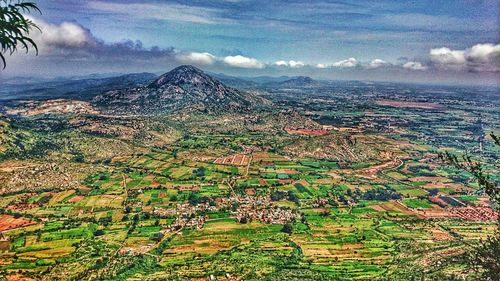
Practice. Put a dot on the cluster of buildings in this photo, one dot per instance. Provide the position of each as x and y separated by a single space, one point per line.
33 177
469 213
181 222
475 213
271 215
185 215
243 208
259 208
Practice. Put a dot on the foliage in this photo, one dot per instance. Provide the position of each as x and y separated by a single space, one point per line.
15 27
195 199
132 197
484 258
433 191
383 194
157 236
468 164
287 228
200 172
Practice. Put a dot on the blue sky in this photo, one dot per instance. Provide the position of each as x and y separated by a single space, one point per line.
379 40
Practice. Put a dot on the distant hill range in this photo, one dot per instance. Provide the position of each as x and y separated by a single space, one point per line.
84 88
296 82
201 90
185 87
260 82
236 82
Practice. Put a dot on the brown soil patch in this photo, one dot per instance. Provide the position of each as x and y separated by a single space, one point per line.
75 199
440 235
306 132
8 222
18 277
250 191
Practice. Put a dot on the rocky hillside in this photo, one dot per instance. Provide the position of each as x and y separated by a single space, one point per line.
185 87
296 82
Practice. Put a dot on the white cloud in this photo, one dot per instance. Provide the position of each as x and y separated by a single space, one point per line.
281 63
70 48
196 58
414 65
350 62
322 65
243 62
65 35
480 57
290 63
376 63
486 53
448 58
296 64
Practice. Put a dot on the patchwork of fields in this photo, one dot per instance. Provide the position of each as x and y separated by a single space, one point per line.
197 218
343 188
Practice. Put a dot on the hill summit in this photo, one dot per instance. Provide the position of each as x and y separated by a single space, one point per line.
293 82
184 74
299 81
183 87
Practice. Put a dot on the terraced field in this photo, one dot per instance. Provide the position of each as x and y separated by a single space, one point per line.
361 196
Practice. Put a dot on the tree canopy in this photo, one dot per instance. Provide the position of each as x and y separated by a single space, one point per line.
485 257
15 27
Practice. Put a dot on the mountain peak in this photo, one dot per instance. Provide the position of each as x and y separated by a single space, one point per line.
184 74
304 78
300 79
187 67
183 87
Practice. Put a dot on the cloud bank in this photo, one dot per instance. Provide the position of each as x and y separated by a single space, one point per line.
377 63
72 41
69 47
348 63
478 58
290 63
414 65
196 58
243 62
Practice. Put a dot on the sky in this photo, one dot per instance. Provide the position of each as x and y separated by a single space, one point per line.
391 40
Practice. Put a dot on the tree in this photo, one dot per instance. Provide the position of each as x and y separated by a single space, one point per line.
483 259
193 199
278 195
292 197
79 158
157 236
200 172
135 218
15 27
433 191
468 164
287 228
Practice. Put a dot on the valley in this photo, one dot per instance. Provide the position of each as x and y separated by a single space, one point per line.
183 177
